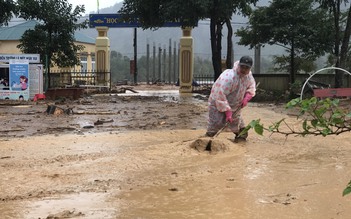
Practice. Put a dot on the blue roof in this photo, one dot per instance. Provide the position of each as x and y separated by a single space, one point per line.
80 37
15 32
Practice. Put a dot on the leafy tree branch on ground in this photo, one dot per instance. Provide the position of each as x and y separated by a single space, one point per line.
323 117
318 117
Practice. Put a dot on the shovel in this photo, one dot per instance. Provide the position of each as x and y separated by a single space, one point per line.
202 144
227 123
225 126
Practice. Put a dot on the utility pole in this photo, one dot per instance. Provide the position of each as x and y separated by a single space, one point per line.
257 65
135 57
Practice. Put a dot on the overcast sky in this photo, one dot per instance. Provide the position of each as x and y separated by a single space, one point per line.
91 5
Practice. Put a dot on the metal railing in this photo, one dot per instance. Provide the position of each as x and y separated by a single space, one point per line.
202 83
79 79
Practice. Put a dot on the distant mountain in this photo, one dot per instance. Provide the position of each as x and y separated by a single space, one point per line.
121 39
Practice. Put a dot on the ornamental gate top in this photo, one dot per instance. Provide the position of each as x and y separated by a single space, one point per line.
115 21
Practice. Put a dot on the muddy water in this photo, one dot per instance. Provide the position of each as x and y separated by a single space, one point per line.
155 174
259 183
167 95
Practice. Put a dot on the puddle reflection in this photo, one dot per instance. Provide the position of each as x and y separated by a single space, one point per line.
168 95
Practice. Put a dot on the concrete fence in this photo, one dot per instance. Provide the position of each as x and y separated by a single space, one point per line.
276 82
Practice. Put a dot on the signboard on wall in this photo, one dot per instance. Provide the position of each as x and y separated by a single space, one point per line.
31 58
115 20
19 79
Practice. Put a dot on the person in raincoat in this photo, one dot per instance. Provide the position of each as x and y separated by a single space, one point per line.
233 89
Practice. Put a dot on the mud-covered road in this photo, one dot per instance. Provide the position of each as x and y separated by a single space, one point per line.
144 110
129 156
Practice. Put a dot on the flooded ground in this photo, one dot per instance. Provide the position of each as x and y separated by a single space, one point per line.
137 163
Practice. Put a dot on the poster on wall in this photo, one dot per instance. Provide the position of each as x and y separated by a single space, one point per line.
19 80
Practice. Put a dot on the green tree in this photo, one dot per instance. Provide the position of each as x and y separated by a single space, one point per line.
302 65
53 36
342 33
153 14
220 13
7 9
202 67
300 26
142 68
119 67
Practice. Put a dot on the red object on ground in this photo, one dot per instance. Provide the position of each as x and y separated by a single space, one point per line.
39 97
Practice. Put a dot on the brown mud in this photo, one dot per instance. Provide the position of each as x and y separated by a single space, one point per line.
133 156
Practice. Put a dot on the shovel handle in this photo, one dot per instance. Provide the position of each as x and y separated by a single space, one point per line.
225 126
227 123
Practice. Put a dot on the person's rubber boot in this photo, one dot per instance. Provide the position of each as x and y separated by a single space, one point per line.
241 138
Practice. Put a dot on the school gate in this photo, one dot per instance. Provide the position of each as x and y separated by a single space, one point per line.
102 23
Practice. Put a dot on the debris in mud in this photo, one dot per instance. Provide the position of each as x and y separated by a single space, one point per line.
65 214
173 189
285 199
15 103
201 97
123 112
123 90
55 110
16 129
208 144
102 121
60 129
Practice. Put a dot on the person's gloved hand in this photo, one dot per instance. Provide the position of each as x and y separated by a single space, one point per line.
228 116
246 99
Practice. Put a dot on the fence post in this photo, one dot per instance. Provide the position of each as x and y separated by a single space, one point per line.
175 63
164 63
154 63
147 61
159 62
169 61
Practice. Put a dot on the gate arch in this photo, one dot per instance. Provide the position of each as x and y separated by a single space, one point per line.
102 22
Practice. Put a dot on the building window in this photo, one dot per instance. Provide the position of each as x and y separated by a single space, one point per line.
93 63
84 63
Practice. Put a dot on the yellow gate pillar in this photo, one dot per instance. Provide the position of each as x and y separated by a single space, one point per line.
102 56
186 61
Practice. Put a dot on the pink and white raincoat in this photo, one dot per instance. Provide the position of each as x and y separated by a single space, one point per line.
227 93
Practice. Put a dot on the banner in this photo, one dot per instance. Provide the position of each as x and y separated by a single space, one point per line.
19 79
115 20
32 58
